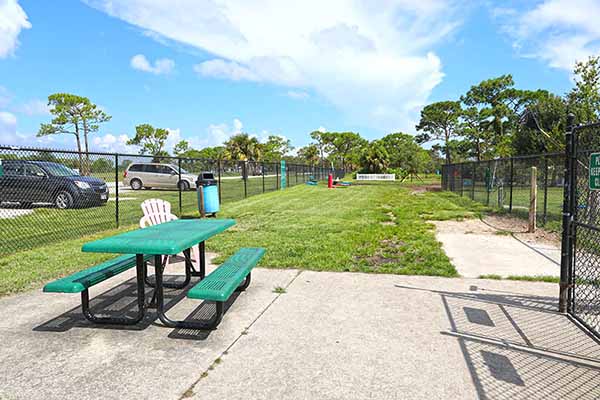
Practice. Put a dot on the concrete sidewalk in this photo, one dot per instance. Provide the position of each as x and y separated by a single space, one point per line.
477 249
329 336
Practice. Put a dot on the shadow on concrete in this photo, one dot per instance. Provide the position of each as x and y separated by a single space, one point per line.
122 301
518 346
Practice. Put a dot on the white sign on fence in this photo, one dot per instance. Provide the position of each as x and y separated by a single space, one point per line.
375 177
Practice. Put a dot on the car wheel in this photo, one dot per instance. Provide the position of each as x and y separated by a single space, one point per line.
135 184
63 200
184 185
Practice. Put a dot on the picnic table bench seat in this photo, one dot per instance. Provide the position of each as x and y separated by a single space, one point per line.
222 282
81 281
233 275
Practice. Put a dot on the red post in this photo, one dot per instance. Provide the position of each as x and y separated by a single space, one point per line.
330 181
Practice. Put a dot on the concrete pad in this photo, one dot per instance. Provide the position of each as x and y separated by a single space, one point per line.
51 352
329 336
356 336
476 249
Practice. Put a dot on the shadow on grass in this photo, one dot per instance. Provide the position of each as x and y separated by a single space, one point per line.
122 301
517 346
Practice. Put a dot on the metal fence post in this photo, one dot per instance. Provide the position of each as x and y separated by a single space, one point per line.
462 179
488 185
277 177
512 177
219 180
179 184
473 180
245 178
545 216
565 257
262 168
532 201
117 189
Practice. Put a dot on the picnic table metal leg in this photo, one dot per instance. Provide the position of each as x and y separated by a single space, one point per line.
208 325
188 273
244 284
202 272
141 301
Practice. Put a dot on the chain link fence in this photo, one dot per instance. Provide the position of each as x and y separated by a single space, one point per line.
505 183
48 196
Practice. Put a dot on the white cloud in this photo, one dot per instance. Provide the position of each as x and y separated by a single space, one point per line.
372 60
297 94
8 123
322 129
558 32
217 134
10 135
34 107
226 70
160 66
12 20
112 143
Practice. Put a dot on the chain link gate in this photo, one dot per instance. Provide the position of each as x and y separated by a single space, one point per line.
580 263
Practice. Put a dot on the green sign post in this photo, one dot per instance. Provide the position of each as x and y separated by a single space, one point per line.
283 175
594 175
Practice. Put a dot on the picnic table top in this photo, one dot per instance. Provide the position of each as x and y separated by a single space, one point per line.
168 238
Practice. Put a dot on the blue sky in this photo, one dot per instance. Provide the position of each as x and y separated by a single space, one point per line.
206 69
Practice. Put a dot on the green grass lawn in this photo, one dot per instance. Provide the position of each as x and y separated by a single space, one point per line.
372 227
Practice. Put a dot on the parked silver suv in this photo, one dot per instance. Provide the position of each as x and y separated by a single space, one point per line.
154 175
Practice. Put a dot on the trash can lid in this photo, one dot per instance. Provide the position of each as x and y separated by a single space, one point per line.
206 178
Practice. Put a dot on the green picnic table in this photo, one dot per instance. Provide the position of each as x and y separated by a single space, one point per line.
157 241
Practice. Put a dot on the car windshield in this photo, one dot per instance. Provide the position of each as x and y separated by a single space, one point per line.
183 171
59 170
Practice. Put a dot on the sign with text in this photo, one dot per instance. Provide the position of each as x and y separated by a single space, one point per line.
594 171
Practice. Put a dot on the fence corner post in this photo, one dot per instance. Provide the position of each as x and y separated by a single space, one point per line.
565 253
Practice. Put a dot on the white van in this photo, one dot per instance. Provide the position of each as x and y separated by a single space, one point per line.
153 175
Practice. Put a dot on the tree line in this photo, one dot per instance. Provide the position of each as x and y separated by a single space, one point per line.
496 119
397 152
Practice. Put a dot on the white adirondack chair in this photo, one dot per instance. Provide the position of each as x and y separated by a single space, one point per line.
157 211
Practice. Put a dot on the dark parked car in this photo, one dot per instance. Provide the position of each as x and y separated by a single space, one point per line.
28 182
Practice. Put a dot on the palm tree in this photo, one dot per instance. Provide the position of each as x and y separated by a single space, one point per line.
310 154
243 147
375 157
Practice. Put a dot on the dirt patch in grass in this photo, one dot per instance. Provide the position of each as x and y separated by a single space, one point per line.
389 252
391 221
472 226
420 189
500 224
518 227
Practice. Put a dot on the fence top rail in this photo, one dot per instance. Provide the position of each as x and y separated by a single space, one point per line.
523 157
120 155
588 126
